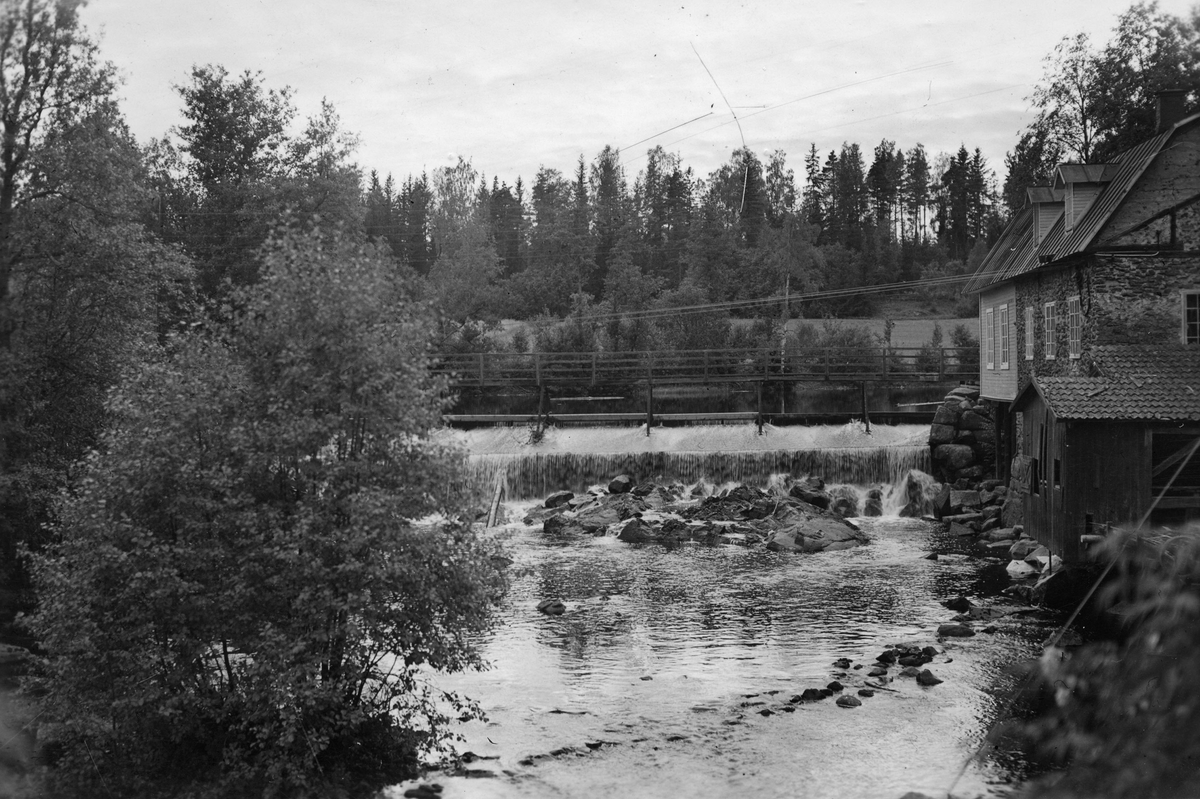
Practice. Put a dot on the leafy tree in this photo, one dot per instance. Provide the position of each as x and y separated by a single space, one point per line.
84 288
780 189
240 600
1094 103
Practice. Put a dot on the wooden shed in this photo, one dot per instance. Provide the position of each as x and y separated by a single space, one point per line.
1102 451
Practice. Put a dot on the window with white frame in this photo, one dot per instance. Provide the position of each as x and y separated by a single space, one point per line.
989 335
1191 316
1074 327
1049 322
1029 332
1004 337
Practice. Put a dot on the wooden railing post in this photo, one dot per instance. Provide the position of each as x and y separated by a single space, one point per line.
537 367
942 364
481 368
594 357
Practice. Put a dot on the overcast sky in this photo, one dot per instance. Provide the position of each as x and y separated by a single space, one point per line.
517 85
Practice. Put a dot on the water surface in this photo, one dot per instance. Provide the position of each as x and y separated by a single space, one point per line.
666 658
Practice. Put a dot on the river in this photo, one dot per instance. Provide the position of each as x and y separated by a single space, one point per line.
653 683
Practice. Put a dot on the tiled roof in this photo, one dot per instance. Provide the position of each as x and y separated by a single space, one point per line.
1015 253
1135 382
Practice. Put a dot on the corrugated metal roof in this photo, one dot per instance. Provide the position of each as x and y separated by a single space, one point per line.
1013 256
1130 166
1137 382
1014 241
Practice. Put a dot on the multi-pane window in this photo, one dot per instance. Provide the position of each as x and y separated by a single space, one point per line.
989 335
1029 332
1191 317
1049 322
1074 327
1004 338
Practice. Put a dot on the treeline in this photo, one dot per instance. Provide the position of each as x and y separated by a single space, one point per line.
598 240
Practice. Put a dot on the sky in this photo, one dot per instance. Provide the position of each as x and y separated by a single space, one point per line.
514 86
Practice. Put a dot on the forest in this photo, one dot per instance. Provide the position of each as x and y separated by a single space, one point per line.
209 332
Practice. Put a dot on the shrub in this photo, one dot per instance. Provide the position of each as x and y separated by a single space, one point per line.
240 601
1127 708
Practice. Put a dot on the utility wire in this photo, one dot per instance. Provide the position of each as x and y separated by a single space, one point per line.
746 180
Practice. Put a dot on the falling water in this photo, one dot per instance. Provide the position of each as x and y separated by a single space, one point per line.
576 459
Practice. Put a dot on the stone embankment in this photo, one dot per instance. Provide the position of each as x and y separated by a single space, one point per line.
962 438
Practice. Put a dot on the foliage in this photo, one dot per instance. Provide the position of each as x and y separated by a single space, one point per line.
241 600
1095 103
83 287
966 346
1127 709
235 168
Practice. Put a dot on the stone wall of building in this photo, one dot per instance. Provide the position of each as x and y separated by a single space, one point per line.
962 438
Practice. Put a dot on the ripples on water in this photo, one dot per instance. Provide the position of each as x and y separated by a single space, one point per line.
717 629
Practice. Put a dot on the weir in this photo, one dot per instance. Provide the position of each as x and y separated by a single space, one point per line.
574 459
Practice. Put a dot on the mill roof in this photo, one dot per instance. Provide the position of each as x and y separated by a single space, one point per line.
1016 252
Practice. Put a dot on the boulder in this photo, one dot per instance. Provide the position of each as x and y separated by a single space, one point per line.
552 607
800 532
805 492
940 434
844 501
558 498
563 524
991 512
959 604
964 392
597 517
1037 556
926 678
874 504
947 415
620 484
1000 534
633 531
1021 549
954 456
955 631
1018 569
974 420
941 502
960 529
847 700
963 501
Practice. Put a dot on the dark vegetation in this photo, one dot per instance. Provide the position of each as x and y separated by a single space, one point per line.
214 395
1127 706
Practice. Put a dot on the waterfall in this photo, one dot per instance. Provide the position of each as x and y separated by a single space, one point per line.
531 475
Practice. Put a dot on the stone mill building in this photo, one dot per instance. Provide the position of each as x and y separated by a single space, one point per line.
1089 307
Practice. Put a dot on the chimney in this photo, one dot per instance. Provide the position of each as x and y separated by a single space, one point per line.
1168 108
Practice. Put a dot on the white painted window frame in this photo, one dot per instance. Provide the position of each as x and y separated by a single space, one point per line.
1074 327
1029 333
1049 325
989 335
1005 337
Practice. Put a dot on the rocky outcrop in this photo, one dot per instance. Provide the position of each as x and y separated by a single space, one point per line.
653 514
962 438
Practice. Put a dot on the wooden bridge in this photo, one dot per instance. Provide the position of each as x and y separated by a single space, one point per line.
700 366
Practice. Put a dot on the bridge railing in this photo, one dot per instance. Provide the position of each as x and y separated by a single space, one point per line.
710 365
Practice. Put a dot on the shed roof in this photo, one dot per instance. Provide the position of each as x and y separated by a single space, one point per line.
1131 382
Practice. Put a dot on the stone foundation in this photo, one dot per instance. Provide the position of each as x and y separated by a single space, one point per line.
962 438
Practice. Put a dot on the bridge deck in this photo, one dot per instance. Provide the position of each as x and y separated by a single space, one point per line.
683 367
